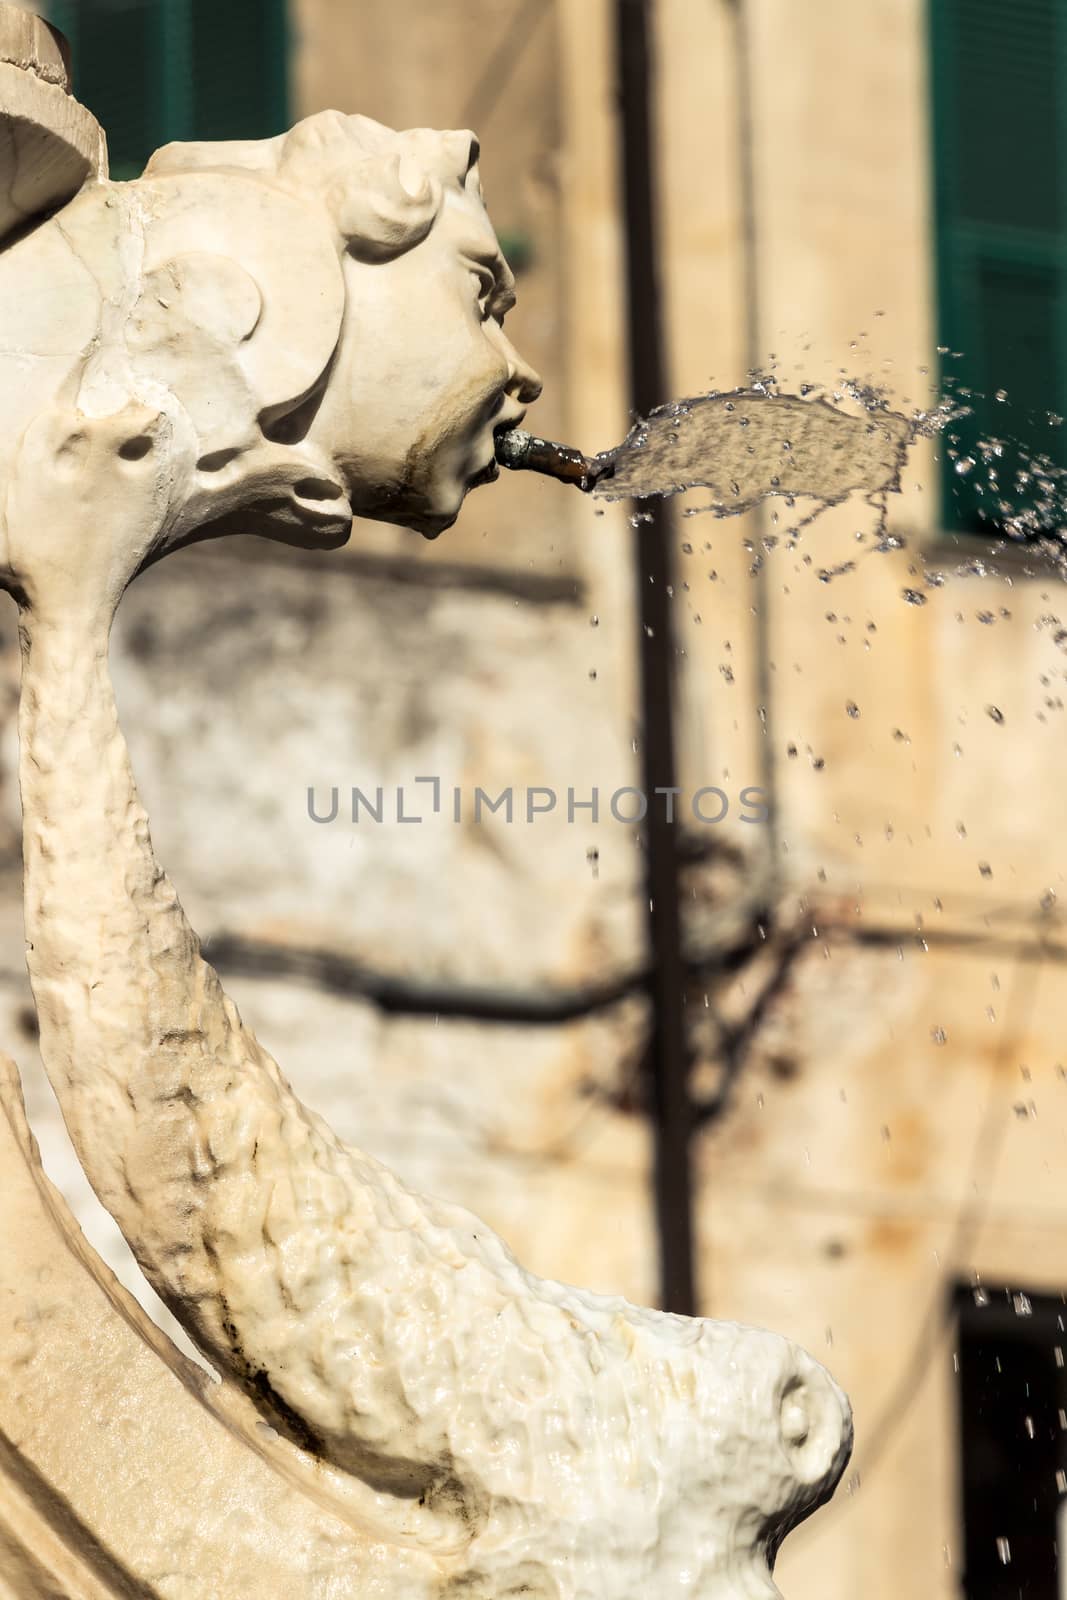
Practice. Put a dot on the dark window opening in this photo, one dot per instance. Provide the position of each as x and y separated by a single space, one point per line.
155 70
998 75
1012 1409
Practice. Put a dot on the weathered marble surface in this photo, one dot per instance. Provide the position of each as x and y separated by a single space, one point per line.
123 1468
276 336
49 144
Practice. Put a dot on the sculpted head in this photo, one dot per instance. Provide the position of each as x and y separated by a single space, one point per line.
318 316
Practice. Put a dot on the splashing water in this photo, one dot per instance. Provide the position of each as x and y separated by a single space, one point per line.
748 445
752 443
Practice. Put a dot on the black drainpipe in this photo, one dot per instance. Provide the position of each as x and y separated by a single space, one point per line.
668 1061
755 357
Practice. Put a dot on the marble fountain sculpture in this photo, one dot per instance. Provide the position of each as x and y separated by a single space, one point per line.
277 336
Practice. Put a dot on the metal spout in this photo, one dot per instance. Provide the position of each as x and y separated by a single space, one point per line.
525 452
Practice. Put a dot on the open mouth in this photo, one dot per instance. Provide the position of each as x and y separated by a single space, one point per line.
320 508
491 471
488 474
320 498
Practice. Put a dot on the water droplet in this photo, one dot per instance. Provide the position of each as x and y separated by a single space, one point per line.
914 597
852 708
594 621
994 714
965 465
1004 1552
938 1035
985 869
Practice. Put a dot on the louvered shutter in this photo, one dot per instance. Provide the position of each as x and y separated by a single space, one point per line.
1000 155
251 102
156 70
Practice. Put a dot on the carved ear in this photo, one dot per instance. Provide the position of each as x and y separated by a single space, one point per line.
194 313
205 291
385 206
277 312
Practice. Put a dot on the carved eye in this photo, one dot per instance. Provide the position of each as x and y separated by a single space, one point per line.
484 286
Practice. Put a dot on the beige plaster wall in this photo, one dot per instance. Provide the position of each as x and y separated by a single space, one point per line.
863 1165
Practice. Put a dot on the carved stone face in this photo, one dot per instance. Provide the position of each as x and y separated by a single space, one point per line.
319 316
424 374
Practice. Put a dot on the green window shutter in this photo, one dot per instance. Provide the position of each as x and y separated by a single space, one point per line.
251 102
1000 162
156 70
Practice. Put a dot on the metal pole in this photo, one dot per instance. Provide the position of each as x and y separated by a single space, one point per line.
668 1056
754 356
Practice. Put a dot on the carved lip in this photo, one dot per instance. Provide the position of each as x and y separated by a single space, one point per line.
491 471
321 505
487 474
320 496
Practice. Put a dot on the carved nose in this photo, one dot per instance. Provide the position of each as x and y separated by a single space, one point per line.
526 384
523 382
